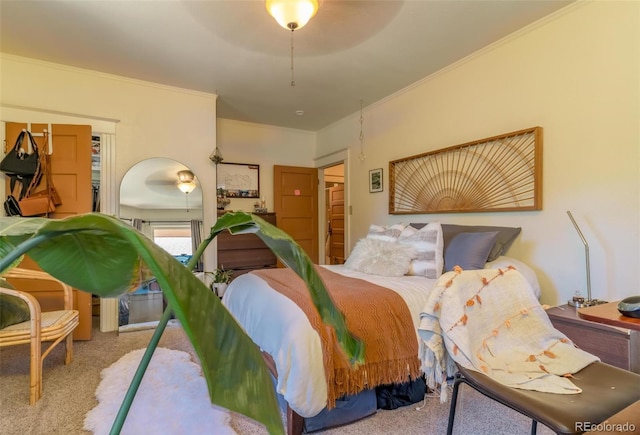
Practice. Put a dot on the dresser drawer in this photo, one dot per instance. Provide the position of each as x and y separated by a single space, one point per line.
243 258
611 347
245 252
619 347
227 242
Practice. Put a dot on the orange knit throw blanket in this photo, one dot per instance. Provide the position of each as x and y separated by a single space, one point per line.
375 314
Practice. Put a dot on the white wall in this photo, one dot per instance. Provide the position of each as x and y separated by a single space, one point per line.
243 142
576 74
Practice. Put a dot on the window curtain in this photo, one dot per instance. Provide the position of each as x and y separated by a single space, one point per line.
196 239
137 224
142 226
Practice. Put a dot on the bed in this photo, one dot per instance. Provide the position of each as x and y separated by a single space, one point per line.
293 348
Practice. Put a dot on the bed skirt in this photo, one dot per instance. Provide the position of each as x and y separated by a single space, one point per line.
348 410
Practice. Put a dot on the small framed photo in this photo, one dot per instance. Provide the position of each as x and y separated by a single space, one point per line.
375 180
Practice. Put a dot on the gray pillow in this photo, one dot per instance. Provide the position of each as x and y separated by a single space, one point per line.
469 250
506 236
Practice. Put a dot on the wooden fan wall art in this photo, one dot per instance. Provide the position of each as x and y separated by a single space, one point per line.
500 173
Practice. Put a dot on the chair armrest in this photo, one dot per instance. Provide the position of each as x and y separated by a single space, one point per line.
19 273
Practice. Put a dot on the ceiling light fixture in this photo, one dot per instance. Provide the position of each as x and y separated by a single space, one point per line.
292 15
185 182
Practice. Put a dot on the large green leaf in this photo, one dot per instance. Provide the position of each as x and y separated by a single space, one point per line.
102 249
87 251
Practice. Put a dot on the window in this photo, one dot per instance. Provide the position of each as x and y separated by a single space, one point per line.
175 240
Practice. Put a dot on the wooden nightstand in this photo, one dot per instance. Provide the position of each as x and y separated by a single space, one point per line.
616 346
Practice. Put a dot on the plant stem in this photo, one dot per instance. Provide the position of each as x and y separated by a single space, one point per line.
137 377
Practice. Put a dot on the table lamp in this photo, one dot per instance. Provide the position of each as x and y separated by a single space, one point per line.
578 301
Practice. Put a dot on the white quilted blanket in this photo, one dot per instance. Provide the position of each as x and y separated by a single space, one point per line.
276 324
490 321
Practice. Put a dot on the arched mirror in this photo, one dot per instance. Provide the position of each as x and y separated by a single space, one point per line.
162 198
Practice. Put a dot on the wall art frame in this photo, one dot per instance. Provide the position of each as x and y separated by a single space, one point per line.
239 180
375 180
499 173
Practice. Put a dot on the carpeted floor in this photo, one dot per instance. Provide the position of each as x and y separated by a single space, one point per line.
69 393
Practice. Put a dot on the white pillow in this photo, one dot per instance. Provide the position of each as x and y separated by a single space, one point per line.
429 244
503 262
388 233
377 257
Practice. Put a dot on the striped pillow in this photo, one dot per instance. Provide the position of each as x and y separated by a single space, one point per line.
429 243
388 233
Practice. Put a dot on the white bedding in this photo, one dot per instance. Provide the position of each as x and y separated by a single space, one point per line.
279 327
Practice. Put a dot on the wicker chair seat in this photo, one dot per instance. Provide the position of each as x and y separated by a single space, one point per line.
48 326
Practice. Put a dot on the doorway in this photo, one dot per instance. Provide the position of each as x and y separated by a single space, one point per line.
333 180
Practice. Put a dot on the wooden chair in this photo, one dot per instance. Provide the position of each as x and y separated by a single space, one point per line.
54 326
606 390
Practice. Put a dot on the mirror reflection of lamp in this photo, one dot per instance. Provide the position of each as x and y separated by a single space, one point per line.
186 184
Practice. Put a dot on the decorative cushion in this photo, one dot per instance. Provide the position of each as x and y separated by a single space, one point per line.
388 233
469 250
428 243
377 257
12 309
506 236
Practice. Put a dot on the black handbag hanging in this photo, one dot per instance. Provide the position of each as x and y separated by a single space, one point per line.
18 162
12 207
11 204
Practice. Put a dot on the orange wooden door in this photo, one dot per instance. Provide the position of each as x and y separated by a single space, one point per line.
71 174
295 193
336 224
71 168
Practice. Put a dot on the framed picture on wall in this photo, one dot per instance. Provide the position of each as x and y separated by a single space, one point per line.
375 180
239 180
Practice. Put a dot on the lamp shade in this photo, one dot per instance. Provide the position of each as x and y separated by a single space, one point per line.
186 186
292 14
185 181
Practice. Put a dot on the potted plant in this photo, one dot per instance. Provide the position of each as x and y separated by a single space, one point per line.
221 198
220 279
74 250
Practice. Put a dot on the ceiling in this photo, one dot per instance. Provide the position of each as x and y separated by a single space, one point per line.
351 51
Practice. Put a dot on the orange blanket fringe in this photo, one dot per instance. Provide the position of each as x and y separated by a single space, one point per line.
375 314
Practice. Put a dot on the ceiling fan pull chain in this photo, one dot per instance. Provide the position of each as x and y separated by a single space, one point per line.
293 82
